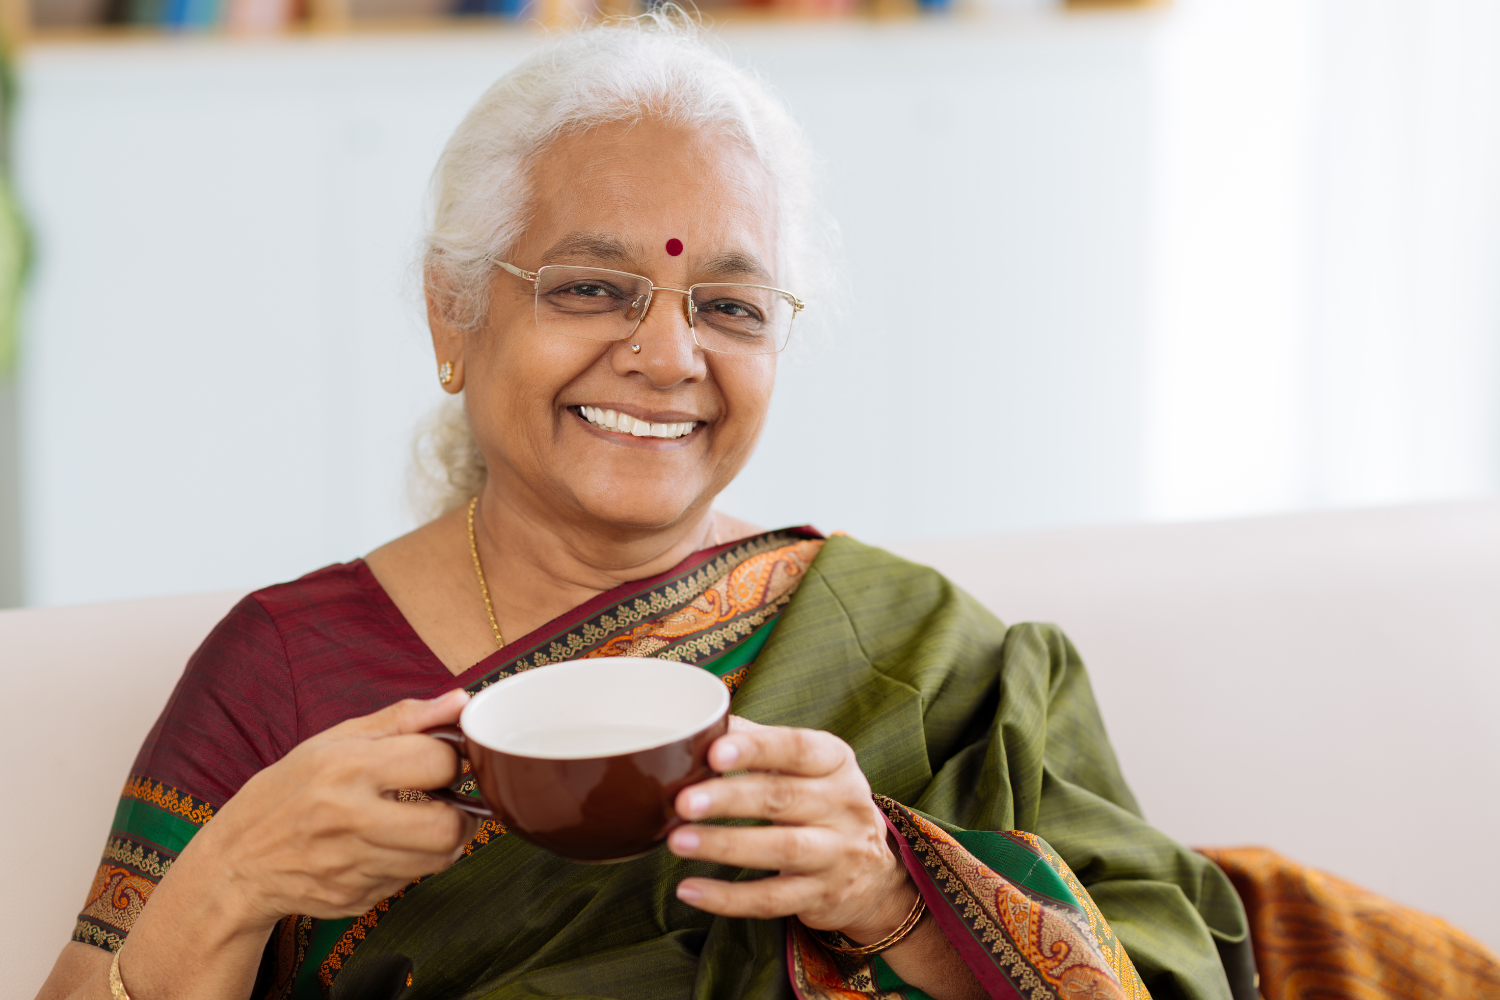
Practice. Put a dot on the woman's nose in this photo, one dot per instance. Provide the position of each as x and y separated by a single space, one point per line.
667 353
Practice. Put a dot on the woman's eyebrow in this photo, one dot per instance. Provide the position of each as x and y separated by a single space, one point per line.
595 246
737 263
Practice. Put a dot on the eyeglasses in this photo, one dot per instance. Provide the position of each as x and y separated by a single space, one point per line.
594 303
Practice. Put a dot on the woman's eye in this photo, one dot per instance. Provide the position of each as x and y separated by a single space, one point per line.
590 291
738 310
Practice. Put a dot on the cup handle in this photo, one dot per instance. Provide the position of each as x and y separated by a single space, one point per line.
454 737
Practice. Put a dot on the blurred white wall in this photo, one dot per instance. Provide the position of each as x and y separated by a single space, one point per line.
1326 244
1237 256
226 356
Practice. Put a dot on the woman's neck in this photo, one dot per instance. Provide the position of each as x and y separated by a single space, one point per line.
541 563
536 567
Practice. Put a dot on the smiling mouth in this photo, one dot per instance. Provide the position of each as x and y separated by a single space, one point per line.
624 423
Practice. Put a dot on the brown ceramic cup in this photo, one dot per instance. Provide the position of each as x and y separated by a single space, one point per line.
585 758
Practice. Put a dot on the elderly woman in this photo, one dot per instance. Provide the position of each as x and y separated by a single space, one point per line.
621 231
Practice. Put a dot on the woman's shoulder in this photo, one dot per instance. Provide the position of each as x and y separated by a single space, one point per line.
331 638
333 593
878 581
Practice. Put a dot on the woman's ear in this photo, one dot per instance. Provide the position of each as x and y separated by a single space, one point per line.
447 337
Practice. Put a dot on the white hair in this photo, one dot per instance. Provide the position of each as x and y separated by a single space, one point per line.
660 65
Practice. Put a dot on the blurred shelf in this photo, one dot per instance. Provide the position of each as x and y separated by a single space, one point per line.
43 22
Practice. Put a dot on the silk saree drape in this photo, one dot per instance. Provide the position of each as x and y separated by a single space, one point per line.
982 743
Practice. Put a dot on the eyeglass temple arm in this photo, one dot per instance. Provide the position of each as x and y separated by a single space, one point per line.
513 269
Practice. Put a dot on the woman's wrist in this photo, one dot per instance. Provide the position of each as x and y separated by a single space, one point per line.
196 938
887 911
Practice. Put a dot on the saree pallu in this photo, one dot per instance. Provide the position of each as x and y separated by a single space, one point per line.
982 744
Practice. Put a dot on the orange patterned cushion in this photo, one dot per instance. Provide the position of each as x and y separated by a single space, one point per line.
1319 938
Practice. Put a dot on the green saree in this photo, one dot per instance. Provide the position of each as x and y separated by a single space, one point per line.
974 727
982 744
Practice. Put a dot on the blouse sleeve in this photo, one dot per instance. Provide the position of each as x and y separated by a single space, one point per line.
232 713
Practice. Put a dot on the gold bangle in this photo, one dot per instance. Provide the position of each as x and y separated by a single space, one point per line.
890 940
116 985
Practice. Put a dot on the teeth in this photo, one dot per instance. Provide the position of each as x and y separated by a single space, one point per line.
626 424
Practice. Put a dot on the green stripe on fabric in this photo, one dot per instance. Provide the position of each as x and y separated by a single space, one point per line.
141 819
744 653
325 934
886 981
1016 863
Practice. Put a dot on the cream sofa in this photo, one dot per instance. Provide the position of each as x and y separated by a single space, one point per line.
1327 685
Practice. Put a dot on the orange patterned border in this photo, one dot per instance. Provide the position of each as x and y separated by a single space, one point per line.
365 923
1049 949
143 789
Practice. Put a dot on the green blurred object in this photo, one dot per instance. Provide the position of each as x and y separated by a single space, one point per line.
15 241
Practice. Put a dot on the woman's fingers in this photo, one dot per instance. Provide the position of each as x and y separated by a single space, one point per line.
411 761
760 899
779 798
431 827
751 747
785 849
413 715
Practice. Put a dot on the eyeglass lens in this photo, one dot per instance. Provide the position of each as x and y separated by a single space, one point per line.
597 304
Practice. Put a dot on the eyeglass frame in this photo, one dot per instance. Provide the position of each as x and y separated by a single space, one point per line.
535 277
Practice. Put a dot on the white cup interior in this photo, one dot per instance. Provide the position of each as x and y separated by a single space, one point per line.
595 708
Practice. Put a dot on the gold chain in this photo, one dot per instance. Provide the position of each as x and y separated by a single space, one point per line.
484 588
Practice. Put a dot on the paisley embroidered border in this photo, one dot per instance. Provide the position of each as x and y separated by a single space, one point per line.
1045 948
1114 951
655 603
818 974
115 900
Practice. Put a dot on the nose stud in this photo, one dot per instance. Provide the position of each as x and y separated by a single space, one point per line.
635 348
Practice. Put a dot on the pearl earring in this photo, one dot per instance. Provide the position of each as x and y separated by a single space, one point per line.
445 372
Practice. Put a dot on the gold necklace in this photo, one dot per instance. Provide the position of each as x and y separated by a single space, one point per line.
484 588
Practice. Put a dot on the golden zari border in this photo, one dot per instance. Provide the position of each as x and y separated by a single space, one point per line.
143 789
630 613
88 933
365 923
123 853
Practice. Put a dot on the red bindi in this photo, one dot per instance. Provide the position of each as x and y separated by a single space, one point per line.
674 246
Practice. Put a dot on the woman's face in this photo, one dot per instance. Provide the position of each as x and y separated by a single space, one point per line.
615 198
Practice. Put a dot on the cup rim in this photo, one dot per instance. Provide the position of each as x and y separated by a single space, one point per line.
691 674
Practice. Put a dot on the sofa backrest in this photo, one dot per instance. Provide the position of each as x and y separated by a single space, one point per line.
1327 685
83 686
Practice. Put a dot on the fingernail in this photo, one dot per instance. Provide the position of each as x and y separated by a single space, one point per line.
688 893
686 840
457 694
728 754
697 803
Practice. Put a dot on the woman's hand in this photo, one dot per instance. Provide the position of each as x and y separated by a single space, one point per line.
827 847
827 844
320 831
